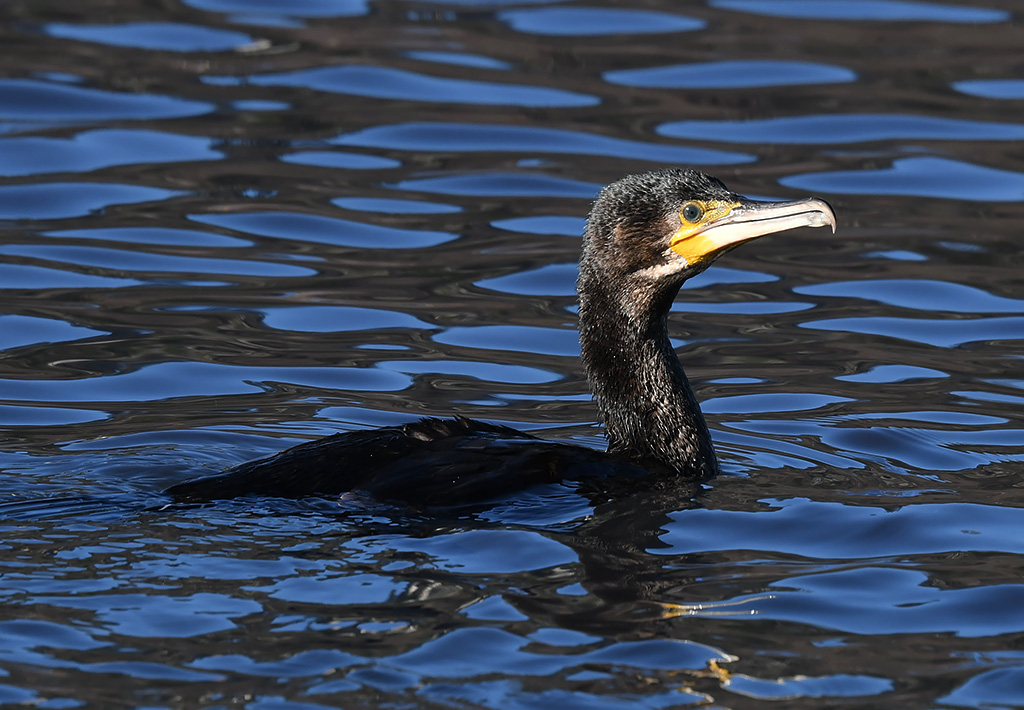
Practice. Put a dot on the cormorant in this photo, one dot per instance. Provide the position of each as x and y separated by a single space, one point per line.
645 236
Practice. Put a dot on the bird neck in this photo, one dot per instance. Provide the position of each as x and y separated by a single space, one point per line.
649 410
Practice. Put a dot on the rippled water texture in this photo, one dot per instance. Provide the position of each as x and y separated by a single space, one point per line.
227 226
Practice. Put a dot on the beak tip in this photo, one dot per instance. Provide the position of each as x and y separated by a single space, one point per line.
822 218
830 216
825 216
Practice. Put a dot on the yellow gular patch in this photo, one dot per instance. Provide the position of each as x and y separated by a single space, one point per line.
689 242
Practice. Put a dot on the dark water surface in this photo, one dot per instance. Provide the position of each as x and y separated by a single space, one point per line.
233 225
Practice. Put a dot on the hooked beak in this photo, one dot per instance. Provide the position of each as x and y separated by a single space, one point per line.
752 219
749 219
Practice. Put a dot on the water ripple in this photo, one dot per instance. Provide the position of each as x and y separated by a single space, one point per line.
494 184
165 236
943 333
485 371
731 75
461 59
992 88
326 230
550 280
893 373
92 150
16 331
22 415
62 200
164 36
390 83
503 338
866 10
330 319
31 101
394 206
337 159
869 532
587 21
27 276
196 379
157 616
919 294
255 10
922 177
127 261
237 225
842 128
994 688
471 138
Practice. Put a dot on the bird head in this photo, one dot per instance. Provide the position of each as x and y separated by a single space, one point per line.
668 225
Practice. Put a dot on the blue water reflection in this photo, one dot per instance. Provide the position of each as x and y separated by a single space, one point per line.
497 184
299 8
326 230
30 276
337 159
189 379
16 331
513 338
392 206
328 319
467 553
230 226
29 100
796 527
893 373
165 36
992 88
460 59
127 261
731 75
467 137
898 601
26 416
943 333
93 150
63 200
552 224
154 235
551 280
867 10
920 294
923 177
486 371
843 128
585 21
389 83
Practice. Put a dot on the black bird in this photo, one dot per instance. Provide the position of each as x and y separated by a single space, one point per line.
645 236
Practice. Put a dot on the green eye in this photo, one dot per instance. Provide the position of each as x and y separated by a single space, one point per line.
692 212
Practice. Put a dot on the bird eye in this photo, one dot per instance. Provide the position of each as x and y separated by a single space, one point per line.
692 212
